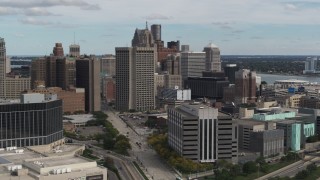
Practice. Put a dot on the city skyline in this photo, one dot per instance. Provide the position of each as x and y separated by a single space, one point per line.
250 27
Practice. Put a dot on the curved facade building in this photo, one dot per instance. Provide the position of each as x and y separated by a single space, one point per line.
32 122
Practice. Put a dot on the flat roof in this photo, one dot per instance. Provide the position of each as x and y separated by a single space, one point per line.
80 118
61 161
249 122
290 81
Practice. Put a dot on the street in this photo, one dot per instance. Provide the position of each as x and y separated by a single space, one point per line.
153 165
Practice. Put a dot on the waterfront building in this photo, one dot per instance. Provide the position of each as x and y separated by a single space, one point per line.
310 65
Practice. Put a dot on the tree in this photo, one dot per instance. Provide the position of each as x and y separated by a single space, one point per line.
250 167
108 142
122 146
98 137
235 170
223 174
312 167
302 174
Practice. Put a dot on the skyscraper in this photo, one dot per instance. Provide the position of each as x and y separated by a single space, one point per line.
58 50
192 64
88 77
108 65
156 32
310 65
213 61
74 50
245 86
2 67
135 68
230 72
142 38
173 64
10 86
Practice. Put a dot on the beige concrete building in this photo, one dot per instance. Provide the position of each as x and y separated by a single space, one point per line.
73 99
135 68
50 162
74 50
108 65
289 101
245 113
10 87
245 86
192 64
213 60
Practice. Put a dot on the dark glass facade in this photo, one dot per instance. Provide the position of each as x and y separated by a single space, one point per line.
30 124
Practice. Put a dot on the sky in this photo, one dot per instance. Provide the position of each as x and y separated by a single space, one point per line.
237 27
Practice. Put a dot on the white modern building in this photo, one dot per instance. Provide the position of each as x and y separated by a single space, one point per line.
310 65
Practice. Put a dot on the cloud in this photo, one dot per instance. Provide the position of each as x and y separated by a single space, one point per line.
223 25
49 3
33 21
19 35
256 37
290 6
36 11
157 17
38 22
6 11
237 31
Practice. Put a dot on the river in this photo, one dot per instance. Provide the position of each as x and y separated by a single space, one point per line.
270 78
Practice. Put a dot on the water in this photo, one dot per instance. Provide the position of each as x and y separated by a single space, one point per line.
270 78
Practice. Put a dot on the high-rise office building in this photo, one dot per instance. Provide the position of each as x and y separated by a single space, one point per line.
185 48
135 68
8 64
213 61
88 77
173 64
156 32
245 86
310 65
108 65
2 67
58 50
74 50
66 72
230 72
192 64
38 71
201 133
142 38
174 45
10 86
33 121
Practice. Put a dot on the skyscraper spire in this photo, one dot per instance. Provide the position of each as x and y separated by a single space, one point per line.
146 24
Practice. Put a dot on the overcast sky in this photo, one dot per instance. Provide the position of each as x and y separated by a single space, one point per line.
238 27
